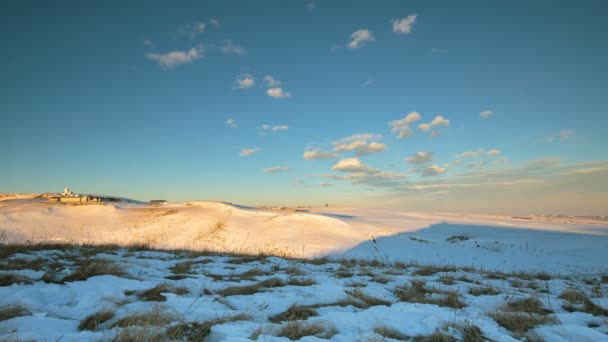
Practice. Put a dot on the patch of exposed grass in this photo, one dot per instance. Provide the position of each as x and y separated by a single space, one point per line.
447 280
435 337
391 333
519 323
182 267
294 313
419 293
344 272
23 264
138 334
10 279
91 268
196 331
472 333
301 281
91 322
246 259
496 276
361 300
254 273
12 311
154 318
573 296
530 305
483 291
298 329
294 271
425 271
381 279
251 289
155 294
317 261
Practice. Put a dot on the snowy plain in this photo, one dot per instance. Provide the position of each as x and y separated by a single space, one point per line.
389 275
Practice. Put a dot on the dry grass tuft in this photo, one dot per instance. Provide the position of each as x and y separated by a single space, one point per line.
294 313
12 311
138 334
182 267
10 279
154 318
573 296
91 322
254 273
344 272
419 293
155 294
472 333
196 331
361 300
391 333
298 329
294 271
447 280
435 337
530 305
426 271
518 322
485 291
301 281
251 289
91 268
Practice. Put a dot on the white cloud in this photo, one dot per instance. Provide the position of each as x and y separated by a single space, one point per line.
363 136
310 6
191 30
214 22
564 135
231 123
543 163
494 152
404 25
440 121
271 81
171 59
361 147
433 170
276 169
470 154
424 127
148 43
420 158
229 48
360 37
248 151
273 128
587 171
325 185
434 134
318 154
402 126
277 93
436 193
486 114
245 81
352 165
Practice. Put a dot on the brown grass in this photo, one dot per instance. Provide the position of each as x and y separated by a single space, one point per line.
91 268
196 331
485 291
154 318
254 273
294 313
344 272
182 267
138 334
251 289
530 305
361 300
391 333
435 337
419 293
297 330
155 294
10 279
23 264
472 333
573 296
426 271
301 281
91 322
518 322
12 311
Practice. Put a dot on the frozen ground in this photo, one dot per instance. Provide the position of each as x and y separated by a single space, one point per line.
112 294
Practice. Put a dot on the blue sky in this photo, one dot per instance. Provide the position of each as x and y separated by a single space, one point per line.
135 99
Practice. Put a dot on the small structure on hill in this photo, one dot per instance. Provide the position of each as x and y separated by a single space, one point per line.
158 202
68 197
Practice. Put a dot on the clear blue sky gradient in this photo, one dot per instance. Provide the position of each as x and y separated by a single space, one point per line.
82 106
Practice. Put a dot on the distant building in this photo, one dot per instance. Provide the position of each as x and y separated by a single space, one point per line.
158 202
68 197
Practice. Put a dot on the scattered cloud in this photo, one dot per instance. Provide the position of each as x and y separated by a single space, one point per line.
318 154
402 126
231 123
494 152
424 127
172 59
310 6
352 165
485 114
436 193
376 178
470 154
433 170
404 25
361 144
276 169
191 30
148 43
248 151
501 160
229 48
544 163
434 134
245 81
440 121
271 81
360 38
214 22
587 171
368 82
325 185
273 128
277 93
420 158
